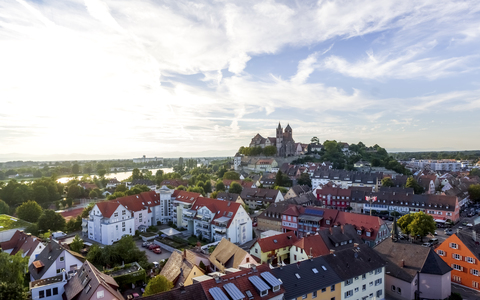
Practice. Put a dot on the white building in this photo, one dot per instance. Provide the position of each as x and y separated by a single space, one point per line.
145 159
109 221
216 219
53 260
49 288
182 202
25 242
164 212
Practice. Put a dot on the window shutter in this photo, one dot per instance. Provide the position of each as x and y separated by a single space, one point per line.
453 255
461 268
466 258
460 257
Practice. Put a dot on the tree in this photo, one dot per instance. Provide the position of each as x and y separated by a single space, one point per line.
279 178
208 186
75 169
214 195
157 285
403 223
475 172
29 211
77 244
121 188
412 183
181 188
305 179
86 211
270 150
74 191
12 291
231 175
12 276
136 174
315 140
235 188
220 186
4 208
102 173
474 192
50 220
93 194
387 182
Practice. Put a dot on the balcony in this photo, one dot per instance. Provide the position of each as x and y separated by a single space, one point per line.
220 230
203 228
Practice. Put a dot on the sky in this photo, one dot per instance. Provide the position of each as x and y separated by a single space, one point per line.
119 79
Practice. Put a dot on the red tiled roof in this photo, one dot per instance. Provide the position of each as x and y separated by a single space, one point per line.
219 207
277 241
292 211
21 241
89 186
241 281
107 208
370 223
313 245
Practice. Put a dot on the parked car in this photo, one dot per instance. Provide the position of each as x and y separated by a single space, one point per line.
157 250
254 224
152 246
427 245
448 231
146 244
469 225
433 241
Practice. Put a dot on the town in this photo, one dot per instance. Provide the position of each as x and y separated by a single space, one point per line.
278 220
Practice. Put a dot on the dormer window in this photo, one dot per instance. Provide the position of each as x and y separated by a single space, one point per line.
359 232
368 233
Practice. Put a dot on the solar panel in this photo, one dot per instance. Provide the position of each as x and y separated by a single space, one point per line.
314 212
218 294
233 291
259 284
272 280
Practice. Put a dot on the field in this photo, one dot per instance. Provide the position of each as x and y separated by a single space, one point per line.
8 222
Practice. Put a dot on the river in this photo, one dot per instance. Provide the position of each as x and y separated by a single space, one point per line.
119 175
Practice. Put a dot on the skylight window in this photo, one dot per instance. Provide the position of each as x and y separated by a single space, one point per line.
315 270
323 267
298 275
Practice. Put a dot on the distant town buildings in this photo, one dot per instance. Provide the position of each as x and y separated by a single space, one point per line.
145 159
283 141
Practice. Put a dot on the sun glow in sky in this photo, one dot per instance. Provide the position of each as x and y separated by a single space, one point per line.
201 78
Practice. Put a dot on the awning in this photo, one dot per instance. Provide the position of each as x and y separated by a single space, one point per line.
440 221
222 219
309 218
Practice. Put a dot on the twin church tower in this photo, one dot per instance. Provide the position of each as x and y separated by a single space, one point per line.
283 141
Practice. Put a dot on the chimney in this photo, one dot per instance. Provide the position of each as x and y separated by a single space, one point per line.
332 251
355 245
401 264
184 253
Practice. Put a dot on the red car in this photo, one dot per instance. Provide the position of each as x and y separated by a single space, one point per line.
153 246
157 250
254 224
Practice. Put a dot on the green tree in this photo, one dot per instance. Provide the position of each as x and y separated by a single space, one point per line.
422 224
157 285
86 211
74 191
69 202
305 179
102 173
4 208
475 172
121 188
93 194
50 220
315 140
208 186
29 211
220 186
13 267
231 175
75 169
279 178
270 150
474 192
181 188
77 244
412 183
136 174
387 182
214 195
235 187
12 291
403 223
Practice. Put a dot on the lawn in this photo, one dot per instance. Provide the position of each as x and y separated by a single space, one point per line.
8 222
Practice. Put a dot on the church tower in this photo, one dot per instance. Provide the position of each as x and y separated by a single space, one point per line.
288 133
279 139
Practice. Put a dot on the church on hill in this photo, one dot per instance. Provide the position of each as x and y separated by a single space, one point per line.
283 141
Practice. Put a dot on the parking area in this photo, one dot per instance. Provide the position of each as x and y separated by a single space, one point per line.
152 256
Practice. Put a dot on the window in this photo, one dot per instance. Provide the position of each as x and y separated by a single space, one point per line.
368 233
474 272
333 298
55 291
349 294
371 283
332 288
123 212
324 290
49 293
62 258
116 214
399 291
256 251
470 260
393 288
378 281
294 257
453 245
379 293
457 267
457 256
58 271
364 276
314 294
356 290
289 218
123 224
41 294
304 296
364 287
356 278
457 279
378 271
116 227
441 252
475 284
100 294
348 282
123 229
327 222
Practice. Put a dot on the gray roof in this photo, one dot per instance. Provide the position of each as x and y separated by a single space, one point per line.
347 264
48 256
309 281
334 236
300 189
467 239
415 258
307 199
227 196
258 194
